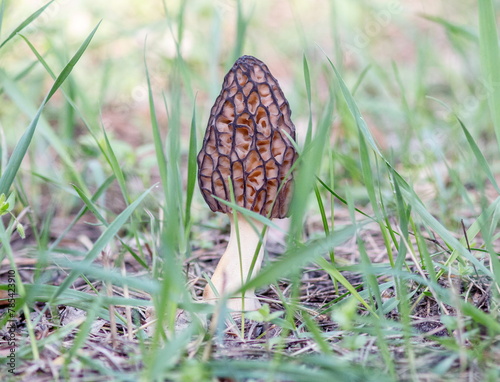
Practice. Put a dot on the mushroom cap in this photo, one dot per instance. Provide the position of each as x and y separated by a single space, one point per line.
245 141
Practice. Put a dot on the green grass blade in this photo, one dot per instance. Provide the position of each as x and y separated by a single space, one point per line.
71 64
39 57
307 80
360 122
302 369
409 194
103 240
295 258
43 127
241 28
324 219
428 265
115 167
86 301
2 12
103 187
366 170
25 23
114 276
17 155
316 333
21 303
452 27
435 225
490 59
23 144
307 171
248 213
90 205
191 170
481 160
371 279
83 332
403 212
334 273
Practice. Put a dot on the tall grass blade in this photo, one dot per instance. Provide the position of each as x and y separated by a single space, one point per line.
115 167
481 160
23 144
191 170
307 80
161 159
2 12
324 219
25 23
452 27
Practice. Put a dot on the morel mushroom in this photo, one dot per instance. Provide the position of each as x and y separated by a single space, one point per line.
245 144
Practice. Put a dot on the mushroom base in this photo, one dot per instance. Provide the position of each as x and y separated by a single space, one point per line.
234 266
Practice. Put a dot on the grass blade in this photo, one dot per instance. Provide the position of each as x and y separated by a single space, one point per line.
23 144
307 80
483 164
191 171
25 23
103 240
409 194
115 167
490 59
334 273
89 204
2 11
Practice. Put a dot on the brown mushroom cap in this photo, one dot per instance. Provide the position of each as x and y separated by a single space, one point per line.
245 141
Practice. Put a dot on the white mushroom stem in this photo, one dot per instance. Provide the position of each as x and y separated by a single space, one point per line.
234 266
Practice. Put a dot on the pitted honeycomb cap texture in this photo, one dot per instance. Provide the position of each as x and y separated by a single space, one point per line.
246 141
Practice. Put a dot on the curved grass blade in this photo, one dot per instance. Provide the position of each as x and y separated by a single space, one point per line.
25 23
479 155
22 146
409 194
296 258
